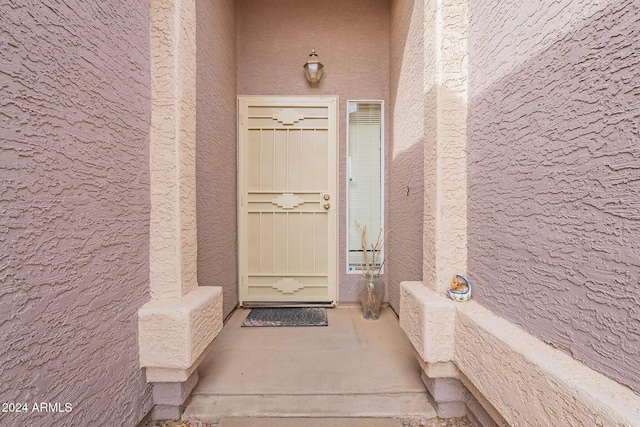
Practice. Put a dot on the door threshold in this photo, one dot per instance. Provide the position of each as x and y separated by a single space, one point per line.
259 304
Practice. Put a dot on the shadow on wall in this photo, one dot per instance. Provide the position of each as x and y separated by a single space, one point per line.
216 149
405 197
554 194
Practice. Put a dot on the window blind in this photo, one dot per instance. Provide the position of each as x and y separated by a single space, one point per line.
364 177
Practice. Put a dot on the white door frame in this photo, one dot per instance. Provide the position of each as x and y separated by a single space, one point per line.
331 103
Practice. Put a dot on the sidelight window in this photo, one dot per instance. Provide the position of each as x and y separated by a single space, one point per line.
365 177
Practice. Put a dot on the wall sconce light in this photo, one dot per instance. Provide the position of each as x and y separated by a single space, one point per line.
313 67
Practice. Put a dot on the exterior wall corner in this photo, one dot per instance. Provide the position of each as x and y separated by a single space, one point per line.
445 153
176 327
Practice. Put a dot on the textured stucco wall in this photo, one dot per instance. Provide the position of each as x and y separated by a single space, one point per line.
74 208
216 190
520 380
406 163
274 38
554 160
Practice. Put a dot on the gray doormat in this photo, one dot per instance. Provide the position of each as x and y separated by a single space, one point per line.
287 316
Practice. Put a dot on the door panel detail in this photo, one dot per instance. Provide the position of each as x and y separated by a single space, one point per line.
288 285
288 117
287 201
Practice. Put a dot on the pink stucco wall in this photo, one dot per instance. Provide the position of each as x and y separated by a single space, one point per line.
553 163
406 152
216 148
274 38
74 209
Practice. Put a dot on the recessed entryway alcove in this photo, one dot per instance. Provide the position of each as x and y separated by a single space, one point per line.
371 50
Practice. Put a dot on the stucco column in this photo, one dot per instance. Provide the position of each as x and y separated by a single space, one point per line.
181 320
445 157
425 316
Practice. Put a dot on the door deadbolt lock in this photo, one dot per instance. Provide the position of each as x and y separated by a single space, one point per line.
326 197
327 206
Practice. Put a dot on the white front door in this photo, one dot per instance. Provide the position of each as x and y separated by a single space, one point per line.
287 163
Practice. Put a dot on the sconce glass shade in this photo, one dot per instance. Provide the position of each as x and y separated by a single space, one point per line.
313 67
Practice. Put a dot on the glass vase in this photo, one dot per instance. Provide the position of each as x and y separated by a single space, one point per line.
371 293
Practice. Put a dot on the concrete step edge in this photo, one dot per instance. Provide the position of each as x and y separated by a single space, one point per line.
390 394
214 408
308 422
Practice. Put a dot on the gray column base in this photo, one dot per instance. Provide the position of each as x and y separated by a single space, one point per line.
170 399
453 400
449 395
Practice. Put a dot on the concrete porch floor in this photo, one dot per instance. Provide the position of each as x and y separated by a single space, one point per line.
352 368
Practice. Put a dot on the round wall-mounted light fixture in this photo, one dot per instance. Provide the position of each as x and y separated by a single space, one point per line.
313 67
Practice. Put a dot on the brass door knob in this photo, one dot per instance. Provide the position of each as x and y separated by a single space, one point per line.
326 197
327 206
